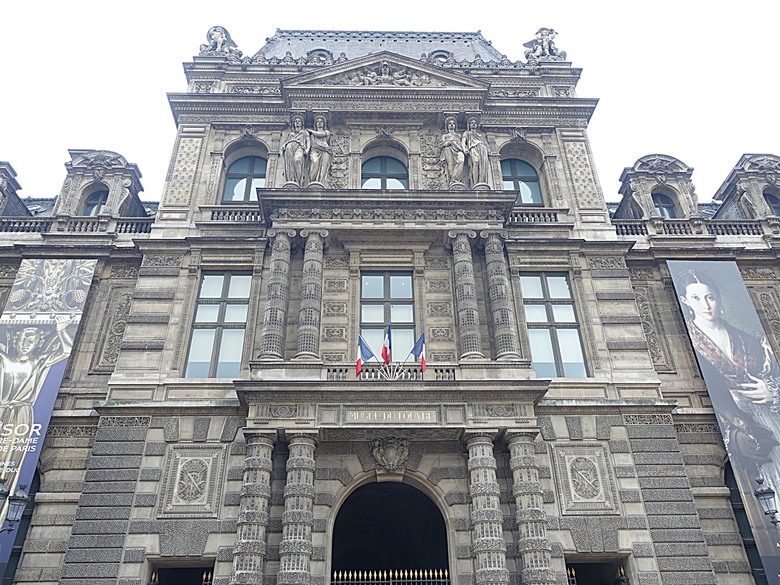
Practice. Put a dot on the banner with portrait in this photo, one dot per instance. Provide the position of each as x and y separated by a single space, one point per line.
37 328
741 375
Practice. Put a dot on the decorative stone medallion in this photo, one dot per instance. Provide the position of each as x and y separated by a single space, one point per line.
390 453
193 480
585 479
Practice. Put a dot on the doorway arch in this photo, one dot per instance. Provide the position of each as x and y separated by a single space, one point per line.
388 526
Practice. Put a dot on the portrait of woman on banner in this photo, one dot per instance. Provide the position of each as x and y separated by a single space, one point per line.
740 372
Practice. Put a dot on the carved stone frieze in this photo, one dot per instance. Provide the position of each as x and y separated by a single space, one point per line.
585 479
192 483
652 326
112 329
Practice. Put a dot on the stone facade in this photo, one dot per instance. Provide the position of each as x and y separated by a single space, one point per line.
148 467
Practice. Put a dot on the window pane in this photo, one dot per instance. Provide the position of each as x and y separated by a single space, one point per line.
235 313
259 166
401 287
211 287
200 353
530 194
506 170
571 353
523 169
230 350
401 314
207 314
508 185
239 286
373 286
234 190
372 183
542 353
395 167
531 287
563 314
256 184
372 313
374 338
403 341
372 166
397 183
558 287
240 166
535 314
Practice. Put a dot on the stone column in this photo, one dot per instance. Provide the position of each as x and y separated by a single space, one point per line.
466 306
311 296
502 316
298 518
249 552
486 516
531 520
275 318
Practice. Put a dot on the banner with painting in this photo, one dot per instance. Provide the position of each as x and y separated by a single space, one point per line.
741 375
37 328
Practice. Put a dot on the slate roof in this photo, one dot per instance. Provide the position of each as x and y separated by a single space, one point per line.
463 45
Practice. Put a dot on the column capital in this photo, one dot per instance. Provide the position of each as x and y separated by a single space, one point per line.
273 232
485 234
474 436
257 436
514 436
471 234
306 232
302 436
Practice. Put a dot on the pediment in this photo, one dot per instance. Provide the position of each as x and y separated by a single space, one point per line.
383 70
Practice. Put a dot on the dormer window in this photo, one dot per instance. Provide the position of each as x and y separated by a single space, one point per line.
96 202
774 203
664 206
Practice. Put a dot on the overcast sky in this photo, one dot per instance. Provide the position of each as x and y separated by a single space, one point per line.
679 77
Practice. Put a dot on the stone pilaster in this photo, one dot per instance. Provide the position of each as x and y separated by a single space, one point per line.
466 305
252 524
311 296
531 520
486 516
275 317
507 344
296 547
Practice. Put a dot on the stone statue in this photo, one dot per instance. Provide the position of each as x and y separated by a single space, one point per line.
220 44
294 151
451 153
543 48
321 154
477 151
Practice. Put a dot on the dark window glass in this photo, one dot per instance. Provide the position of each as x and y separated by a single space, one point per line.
218 327
96 203
388 298
518 175
773 202
244 176
383 172
664 206
553 330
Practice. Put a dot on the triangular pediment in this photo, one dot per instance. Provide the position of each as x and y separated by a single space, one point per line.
383 70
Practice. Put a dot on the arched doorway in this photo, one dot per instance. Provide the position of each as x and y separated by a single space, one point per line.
389 526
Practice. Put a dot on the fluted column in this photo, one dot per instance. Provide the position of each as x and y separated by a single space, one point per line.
311 296
502 314
249 552
486 516
298 517
531 520
466 305
275 317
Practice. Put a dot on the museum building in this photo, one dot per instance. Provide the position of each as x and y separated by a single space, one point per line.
527 406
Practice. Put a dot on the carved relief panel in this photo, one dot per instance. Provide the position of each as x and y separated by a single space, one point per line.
193 480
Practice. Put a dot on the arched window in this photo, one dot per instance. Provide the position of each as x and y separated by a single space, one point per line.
664 206
518 175
773 202
384 172
95 204
242 179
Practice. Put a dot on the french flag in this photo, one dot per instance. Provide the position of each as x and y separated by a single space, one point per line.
387 346
364 354
418 351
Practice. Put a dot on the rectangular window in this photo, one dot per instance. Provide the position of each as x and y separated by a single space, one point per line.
387 298
553 331
218 328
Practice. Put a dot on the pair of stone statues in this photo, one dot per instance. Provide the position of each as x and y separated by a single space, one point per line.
307 151
455 149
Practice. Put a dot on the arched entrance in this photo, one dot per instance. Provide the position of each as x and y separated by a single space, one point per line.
389 526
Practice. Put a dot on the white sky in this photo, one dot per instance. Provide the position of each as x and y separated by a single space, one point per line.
680 77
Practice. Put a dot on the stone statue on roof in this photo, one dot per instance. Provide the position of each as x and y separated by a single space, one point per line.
542 47
220 44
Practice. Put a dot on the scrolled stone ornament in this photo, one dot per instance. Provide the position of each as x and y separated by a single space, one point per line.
390 453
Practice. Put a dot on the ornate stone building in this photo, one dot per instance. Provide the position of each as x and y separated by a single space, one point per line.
211 427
